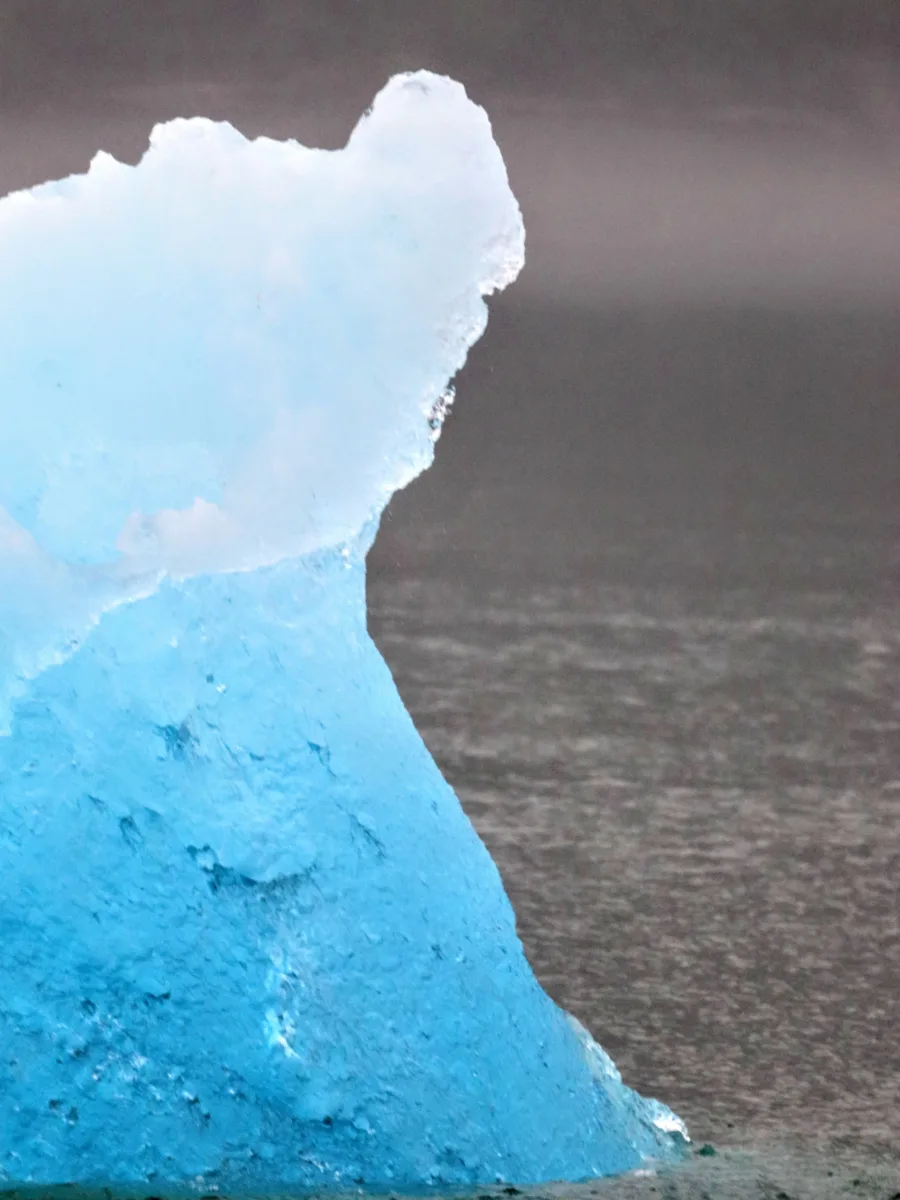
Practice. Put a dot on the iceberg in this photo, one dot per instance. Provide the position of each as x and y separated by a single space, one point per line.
249 938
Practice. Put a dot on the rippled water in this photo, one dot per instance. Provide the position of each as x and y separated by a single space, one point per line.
691 784
693 794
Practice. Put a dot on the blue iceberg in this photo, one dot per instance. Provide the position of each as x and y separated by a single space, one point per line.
249 938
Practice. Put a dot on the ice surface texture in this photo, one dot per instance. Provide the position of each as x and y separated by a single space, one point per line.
248 935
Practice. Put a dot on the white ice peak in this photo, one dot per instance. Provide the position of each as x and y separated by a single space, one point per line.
233 352
229 354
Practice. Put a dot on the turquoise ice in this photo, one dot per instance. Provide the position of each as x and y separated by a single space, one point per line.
249 938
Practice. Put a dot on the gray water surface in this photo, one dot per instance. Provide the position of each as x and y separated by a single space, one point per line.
691 786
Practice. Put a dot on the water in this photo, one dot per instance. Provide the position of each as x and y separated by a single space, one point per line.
688 771
690 781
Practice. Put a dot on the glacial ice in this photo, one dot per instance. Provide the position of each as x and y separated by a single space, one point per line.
249 938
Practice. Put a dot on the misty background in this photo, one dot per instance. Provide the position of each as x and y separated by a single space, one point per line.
704 337
644 606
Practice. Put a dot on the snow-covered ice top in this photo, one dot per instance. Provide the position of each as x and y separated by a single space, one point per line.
312 306
234 352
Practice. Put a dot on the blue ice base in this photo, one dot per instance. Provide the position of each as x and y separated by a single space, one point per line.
249 938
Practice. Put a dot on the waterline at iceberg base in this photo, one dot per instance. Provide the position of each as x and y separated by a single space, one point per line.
250 940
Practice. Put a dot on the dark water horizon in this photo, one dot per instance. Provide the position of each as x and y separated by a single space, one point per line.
677 728
692 790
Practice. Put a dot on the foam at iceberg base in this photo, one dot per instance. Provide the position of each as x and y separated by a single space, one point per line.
249 938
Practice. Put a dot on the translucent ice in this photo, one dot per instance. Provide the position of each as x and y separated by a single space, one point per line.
247 933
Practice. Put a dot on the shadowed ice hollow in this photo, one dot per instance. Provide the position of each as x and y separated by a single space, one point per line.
249 937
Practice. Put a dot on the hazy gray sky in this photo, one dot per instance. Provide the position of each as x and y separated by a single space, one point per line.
675 159
688 46
660 149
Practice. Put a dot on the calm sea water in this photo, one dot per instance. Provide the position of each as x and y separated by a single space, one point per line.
691 785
